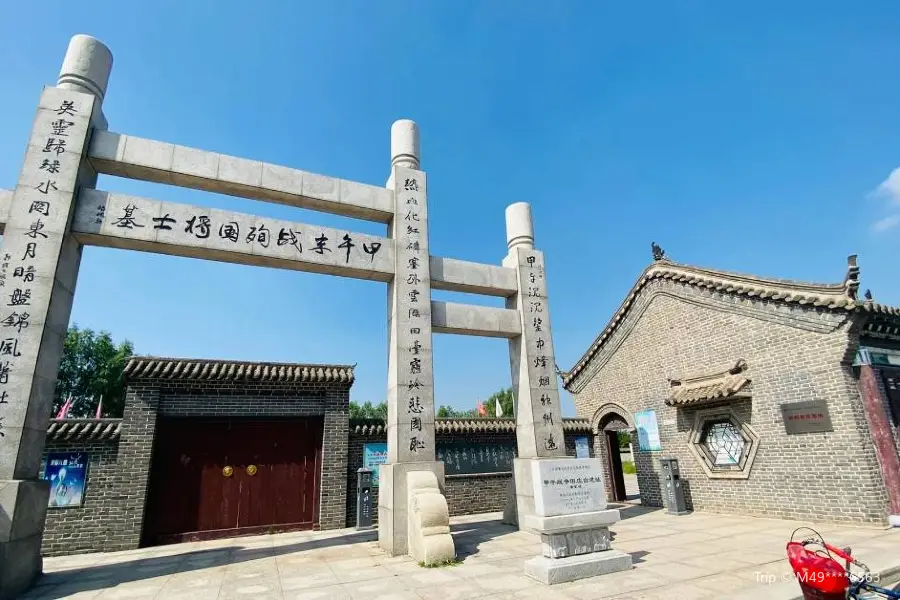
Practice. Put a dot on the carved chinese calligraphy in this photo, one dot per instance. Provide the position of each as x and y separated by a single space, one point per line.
540 417
35 271
102 218
411 387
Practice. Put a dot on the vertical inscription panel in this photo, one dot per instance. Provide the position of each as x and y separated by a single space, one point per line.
411 384
41 265
537 339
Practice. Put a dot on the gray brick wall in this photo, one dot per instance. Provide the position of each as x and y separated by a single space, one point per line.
116 497
466 494
793 353
83 529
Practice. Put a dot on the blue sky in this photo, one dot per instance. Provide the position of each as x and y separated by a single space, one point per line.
752 138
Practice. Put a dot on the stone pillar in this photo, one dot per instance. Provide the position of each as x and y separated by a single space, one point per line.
561 499
39 268
539 432
410 397
880 430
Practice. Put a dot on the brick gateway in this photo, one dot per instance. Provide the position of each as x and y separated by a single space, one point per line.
120 508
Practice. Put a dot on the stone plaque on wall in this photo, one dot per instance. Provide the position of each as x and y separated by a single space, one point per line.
806 417
568 486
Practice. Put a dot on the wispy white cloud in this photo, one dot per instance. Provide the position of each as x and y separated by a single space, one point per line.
886 223
888 189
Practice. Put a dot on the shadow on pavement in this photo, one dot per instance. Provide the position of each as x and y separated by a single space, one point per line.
98 577
468 536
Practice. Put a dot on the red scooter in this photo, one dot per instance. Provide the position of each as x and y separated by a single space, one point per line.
821 577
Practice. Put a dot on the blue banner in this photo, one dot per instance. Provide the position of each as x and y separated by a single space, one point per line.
582 447
647 430
67 474
374 454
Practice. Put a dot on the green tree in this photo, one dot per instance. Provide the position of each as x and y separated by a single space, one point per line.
507 403
368 411
624 439
448 412
92 367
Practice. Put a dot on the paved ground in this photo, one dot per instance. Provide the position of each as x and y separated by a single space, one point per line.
688 557
632 491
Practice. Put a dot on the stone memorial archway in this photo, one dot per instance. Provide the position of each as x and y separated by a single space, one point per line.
55 209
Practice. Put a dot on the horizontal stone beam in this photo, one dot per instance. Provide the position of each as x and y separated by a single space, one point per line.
160 162
475 278
128 222
446 273
469 319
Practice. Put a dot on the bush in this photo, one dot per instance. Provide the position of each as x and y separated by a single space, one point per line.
628 468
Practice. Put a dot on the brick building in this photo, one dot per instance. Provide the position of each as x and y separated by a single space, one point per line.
779 398
210 448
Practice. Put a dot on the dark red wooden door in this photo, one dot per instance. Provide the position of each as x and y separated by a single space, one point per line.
273 482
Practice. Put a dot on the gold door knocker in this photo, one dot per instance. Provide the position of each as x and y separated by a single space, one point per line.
251 470
227 471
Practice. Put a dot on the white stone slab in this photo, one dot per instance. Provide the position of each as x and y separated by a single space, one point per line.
572 522
567 486
469 319
463 276
551 571
121 221
150 160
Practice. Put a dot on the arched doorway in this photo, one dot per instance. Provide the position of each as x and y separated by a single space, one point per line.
608 421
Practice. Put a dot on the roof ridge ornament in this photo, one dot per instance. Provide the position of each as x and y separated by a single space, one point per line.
851 280
658 252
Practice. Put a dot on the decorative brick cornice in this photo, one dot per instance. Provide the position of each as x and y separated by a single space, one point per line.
154 367
834 297
726 385
84 430
371 427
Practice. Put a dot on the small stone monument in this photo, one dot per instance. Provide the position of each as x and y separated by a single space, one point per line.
571 516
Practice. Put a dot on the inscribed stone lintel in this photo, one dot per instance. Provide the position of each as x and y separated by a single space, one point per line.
104 218
34 301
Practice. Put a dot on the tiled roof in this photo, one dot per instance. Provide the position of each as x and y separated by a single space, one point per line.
880 309
83 430
709 388
838 296
377 427
154 367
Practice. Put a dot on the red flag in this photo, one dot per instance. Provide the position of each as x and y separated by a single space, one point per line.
481 411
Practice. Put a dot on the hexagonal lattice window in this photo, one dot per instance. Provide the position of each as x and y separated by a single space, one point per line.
723 444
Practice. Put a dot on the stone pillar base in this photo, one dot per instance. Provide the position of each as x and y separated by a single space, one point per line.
521 505
25 503
560 570
510 512
393 517
429 538
575 547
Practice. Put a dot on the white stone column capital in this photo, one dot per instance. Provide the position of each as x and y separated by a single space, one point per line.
519 226
405 149
86 67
